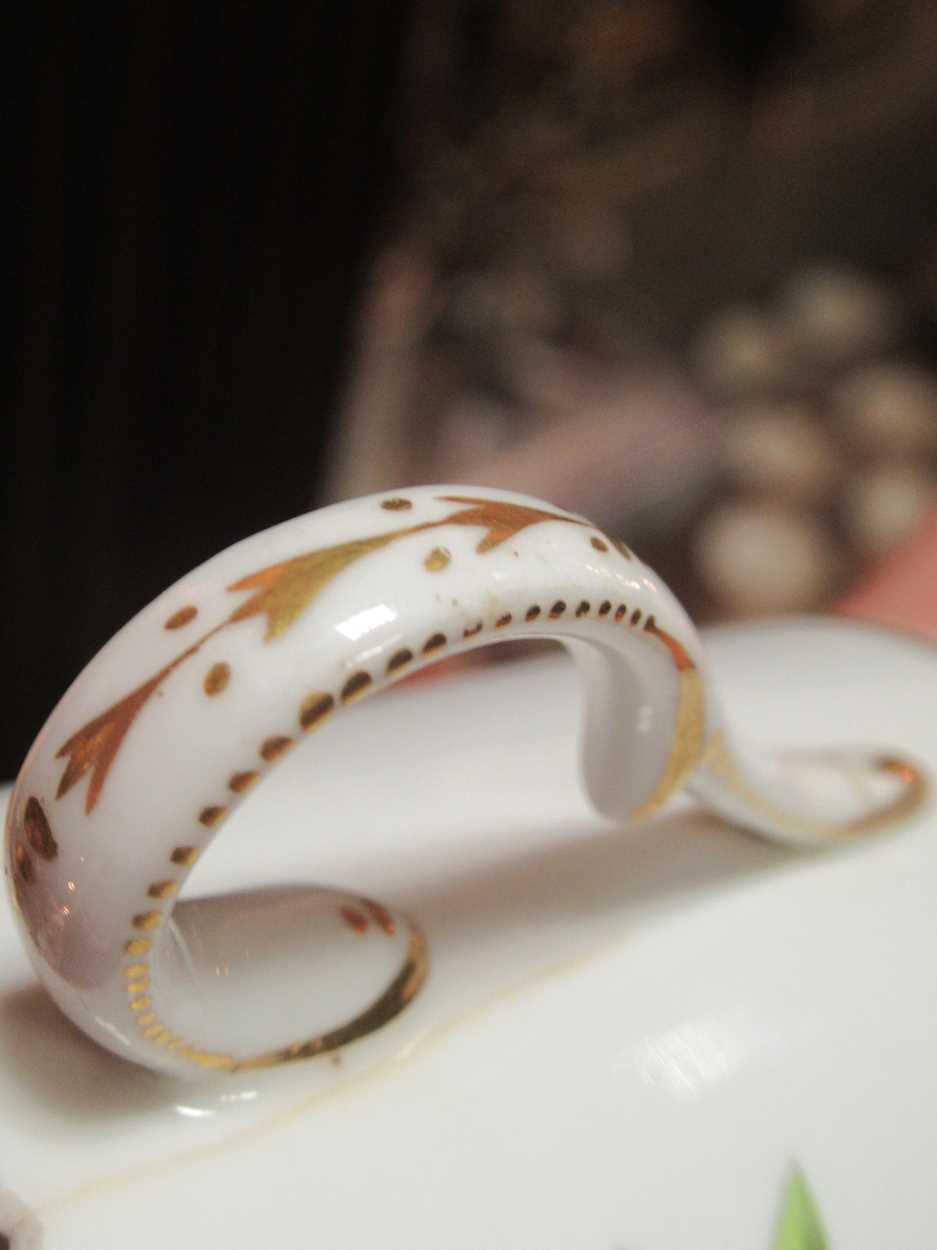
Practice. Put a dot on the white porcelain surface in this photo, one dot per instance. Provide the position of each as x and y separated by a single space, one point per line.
626 1036
151 752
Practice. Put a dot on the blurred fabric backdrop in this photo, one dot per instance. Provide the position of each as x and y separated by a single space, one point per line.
195 195
669 262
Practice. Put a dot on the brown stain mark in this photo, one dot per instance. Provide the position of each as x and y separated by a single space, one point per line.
148 920
599 544
604 608
315 709
239 782
532 612
23 863
558 609
184 855
272 748
182 617
356 685
138 946
380 915
216 679
433 643
583 609
472 630
162 889
211 816
38 830
503 620
437 560
354 919
400 659
397 504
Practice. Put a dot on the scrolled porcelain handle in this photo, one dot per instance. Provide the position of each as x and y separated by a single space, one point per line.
191 704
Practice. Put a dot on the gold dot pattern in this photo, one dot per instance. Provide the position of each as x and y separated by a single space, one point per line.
396 504
182 618
316 708
355 686
400 659
147 920
162 889
239 782
437 560
599 544
272 748
216 679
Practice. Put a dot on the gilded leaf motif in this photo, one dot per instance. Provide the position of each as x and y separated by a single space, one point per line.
501 520
282 593
285 590
94 747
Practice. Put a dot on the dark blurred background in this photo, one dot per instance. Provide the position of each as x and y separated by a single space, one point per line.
670 262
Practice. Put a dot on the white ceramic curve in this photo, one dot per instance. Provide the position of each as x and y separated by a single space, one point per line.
194 702
628 1037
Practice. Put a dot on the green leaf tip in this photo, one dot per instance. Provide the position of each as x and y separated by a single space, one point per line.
800 1227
